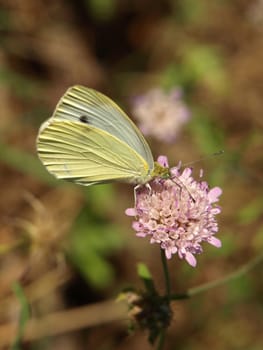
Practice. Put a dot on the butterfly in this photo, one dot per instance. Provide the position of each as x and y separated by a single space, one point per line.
90 140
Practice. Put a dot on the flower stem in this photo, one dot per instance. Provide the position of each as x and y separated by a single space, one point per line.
241 271
166 275
161 341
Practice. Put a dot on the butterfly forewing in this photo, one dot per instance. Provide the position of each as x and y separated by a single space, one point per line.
93 108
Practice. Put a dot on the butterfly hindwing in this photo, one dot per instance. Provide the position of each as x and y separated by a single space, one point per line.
82 153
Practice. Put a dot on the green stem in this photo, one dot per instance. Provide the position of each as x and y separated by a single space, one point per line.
241 271
166 275
161 340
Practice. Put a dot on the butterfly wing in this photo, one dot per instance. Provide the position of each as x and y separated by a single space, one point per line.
96 109
87 155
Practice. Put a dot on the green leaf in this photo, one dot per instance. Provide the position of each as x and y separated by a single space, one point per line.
240 289
204 63
143 271
189 11
251 212
102 9
206 133
93 239
258 239
145 275
25 162
24 314
20 84
100 197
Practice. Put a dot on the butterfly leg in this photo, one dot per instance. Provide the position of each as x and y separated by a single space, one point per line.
147 185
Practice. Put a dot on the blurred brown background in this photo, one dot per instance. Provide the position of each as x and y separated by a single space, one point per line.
69 246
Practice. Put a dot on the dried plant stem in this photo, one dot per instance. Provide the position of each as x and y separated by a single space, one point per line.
66 321
39 288
101 313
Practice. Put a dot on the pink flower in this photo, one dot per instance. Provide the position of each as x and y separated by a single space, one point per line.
178 213
161 114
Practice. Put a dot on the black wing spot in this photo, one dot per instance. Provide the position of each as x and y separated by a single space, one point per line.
84 119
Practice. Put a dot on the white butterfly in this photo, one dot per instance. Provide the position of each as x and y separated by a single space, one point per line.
90 140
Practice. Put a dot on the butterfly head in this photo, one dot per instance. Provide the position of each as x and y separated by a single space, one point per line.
161 171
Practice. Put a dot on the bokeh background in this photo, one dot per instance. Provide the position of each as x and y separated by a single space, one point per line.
65 245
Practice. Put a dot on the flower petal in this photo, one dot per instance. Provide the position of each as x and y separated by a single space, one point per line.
214 193
131 212
214 241
187 172
189 257
163 161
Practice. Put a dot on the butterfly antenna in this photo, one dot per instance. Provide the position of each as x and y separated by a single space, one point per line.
218 153
182 186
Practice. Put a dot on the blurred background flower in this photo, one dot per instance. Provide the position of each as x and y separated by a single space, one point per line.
255 13
161 114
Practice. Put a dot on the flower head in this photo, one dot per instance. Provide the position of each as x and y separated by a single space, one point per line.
160 114
178 213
